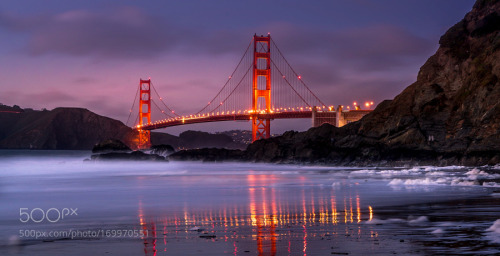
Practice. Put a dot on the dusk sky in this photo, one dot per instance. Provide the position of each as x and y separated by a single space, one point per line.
91 54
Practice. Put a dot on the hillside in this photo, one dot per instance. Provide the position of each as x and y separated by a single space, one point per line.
61 128
76 128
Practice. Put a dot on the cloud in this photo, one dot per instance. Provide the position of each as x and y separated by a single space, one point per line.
356 64
49 97
84 80
124 32
129 32
369 48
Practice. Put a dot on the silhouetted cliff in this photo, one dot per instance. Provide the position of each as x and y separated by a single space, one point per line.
76 128
61 128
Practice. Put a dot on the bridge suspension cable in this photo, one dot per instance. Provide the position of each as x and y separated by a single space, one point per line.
132 108
289 91
169 113
273 90
164 104
244 59
287 73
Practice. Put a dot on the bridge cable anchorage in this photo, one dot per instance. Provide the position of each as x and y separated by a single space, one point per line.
159 97
228 80
279 51
133 104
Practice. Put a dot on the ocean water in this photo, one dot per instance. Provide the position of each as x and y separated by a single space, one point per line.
55 203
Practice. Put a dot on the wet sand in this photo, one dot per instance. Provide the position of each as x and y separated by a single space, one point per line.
392 231
245 209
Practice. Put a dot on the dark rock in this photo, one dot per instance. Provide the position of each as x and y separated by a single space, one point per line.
110 146
133 156
162 150
208 236
207 155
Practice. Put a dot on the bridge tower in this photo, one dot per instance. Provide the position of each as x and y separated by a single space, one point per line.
261 127
144 113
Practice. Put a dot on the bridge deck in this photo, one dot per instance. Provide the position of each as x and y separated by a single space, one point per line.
229 117
346 116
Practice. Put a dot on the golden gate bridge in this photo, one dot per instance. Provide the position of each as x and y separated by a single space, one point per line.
262 87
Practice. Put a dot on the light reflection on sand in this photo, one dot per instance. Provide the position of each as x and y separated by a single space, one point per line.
273 224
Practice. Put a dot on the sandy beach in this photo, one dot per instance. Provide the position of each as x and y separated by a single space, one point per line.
243 209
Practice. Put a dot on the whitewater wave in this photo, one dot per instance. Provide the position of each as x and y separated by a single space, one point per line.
494 232
411 220
438 231
495 227
448 176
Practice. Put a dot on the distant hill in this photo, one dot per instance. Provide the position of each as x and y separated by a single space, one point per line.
240 136
77 128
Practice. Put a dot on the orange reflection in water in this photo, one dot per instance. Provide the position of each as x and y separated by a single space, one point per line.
301 215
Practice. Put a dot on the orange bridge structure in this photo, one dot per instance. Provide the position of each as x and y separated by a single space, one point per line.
262 87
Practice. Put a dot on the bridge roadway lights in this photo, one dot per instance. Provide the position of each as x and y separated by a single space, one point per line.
261 121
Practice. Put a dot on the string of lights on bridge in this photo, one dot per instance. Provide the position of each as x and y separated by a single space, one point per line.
290 95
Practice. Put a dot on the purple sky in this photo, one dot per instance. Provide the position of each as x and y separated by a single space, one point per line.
92 54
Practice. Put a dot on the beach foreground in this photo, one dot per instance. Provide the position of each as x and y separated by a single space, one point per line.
54 203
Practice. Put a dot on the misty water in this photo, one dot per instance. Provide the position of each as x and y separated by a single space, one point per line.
55 203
